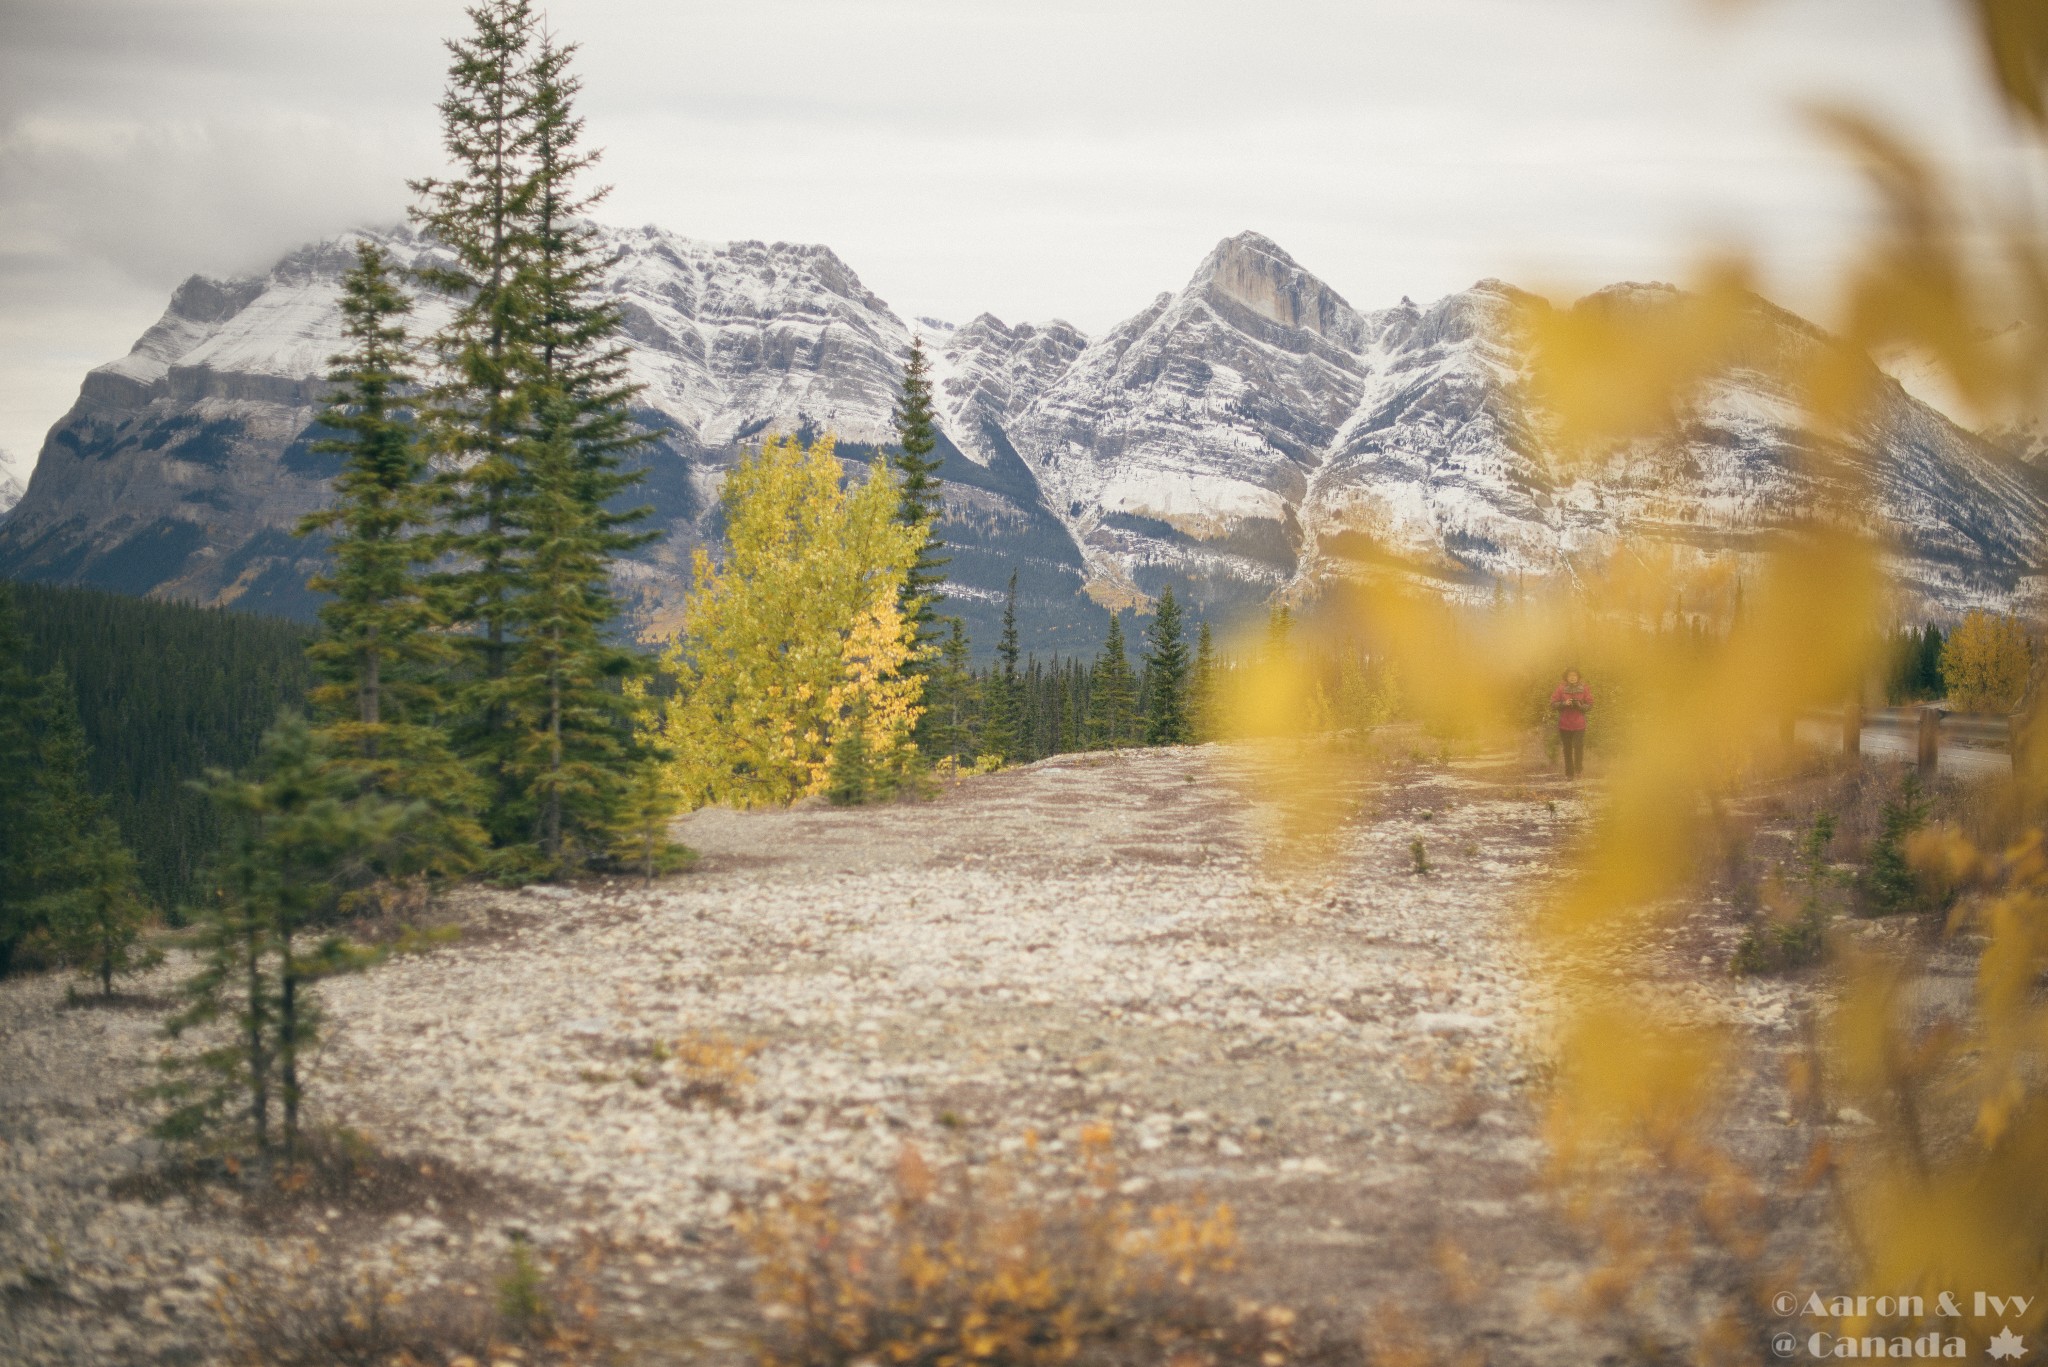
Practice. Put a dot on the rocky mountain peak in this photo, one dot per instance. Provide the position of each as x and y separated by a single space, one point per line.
203 299
1251 434
1251 272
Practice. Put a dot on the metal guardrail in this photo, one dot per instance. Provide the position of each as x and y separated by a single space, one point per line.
1984 728
1920 734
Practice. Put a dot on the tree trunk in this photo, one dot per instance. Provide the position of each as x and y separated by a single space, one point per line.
554 807
288 1049
371 705
259 1059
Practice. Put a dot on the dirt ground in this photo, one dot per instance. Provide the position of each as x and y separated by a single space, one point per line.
1348 1051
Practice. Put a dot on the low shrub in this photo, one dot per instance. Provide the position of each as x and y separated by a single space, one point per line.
996 1269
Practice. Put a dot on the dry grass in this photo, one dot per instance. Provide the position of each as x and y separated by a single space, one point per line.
310 1312
1002 1270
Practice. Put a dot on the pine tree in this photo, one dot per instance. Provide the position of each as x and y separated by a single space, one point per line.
950 699
853 772
1279 630
20 786
1112 692
87 900
162 689
1930 680
1202 707
1061 707
922 505
302 844
382 653
1166 666
1002 720
97 916
482 216
575 745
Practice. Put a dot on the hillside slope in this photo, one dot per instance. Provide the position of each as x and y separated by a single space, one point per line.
1250 435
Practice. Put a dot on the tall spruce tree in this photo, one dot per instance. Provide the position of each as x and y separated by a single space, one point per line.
20 783
97 912
87 900
1166 667
1202 689
1002 720
923 498
950 699
482 216
67 884
1061 707
575 744
1112 692
383 654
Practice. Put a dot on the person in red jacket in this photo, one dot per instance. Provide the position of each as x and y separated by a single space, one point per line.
1571 700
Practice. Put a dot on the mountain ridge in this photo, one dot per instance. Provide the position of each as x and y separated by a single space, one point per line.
1251 435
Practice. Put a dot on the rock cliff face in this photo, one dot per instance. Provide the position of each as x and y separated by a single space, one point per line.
1252 434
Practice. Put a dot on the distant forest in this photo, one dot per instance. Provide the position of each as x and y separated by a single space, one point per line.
165 692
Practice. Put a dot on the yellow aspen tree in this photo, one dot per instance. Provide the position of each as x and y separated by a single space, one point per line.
876 690
762 663
1984 663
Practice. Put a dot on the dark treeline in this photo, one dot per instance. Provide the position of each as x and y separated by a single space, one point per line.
165 691
1913 665
1020 708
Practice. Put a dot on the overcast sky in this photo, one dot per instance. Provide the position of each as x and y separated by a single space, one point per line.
1034 158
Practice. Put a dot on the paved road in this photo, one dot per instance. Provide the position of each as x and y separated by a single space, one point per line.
1968 761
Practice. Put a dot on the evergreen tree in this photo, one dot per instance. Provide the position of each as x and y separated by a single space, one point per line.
67 885
1061 707
1112 693
97 917
1166 667
1279 629
1002 721
575 745
640 837
382 653
162 690
922 504
483 217
539 413
951 699
303 842
853 771
20 783
1930 678
87 900
1202 690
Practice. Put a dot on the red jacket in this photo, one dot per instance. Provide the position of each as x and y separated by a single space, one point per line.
1570 705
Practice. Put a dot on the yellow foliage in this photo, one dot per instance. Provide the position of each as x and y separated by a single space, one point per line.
1949 1187
982 1269
711 1069
796 631
1985 663
874 690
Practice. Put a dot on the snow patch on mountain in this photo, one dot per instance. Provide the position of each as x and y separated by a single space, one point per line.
1250 435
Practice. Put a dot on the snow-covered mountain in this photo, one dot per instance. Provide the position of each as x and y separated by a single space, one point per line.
1252 434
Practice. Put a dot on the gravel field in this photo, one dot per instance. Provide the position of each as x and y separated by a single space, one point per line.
1346 1056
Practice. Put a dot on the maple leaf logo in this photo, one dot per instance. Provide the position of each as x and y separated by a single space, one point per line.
2007 1345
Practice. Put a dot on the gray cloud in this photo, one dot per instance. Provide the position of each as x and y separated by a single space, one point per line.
1032 158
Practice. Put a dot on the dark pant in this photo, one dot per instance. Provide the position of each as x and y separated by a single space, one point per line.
1574 743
